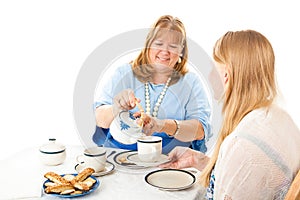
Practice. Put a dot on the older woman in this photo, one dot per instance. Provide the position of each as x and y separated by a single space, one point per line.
258 149
174 99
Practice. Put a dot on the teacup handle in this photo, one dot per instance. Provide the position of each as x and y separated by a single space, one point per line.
78 164
80 159
82 164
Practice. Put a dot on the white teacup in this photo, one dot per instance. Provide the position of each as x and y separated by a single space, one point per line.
149 148
94 157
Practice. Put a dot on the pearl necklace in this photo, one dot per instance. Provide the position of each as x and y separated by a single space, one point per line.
159 100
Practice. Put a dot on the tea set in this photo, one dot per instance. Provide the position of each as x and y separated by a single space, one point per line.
124 129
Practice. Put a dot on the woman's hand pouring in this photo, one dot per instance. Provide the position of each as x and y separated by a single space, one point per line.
125 100
150 124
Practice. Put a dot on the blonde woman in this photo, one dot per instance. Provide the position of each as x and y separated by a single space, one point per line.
173 98
258 149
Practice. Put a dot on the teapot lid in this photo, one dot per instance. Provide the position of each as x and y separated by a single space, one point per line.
52 147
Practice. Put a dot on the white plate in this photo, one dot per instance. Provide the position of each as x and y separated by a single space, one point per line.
109 167
135 159
170 179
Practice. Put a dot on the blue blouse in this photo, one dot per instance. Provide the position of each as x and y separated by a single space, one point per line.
187 99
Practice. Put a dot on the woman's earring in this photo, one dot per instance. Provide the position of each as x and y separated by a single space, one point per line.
179 60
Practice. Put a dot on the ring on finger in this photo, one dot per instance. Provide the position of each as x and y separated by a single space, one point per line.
151 125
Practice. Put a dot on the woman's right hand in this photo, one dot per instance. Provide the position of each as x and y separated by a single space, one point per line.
125 100
184 157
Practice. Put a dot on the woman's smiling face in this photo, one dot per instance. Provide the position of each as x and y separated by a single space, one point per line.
165 50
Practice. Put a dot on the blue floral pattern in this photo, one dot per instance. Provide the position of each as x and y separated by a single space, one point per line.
210 189
131 116
124 126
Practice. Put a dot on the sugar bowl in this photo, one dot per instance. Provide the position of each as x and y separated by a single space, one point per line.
52 153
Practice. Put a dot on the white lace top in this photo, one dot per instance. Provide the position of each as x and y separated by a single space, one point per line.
260 158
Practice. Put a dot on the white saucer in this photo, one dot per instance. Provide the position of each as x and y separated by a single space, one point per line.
109 167
122 162
135 159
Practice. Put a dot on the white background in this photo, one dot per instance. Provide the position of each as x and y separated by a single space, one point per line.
43 45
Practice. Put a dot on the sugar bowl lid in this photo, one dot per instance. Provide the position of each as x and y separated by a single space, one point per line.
52 147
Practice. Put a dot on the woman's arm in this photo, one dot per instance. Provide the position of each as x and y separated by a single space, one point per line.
104 116
184 130
195 125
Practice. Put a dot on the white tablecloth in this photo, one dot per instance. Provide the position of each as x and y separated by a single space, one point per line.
22 178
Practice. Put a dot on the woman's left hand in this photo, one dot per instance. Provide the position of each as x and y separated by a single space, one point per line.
150 124
183 157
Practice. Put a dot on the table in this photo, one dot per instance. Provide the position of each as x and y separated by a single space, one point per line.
23 177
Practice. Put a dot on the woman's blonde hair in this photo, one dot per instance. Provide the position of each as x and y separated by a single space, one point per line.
249 58
141 66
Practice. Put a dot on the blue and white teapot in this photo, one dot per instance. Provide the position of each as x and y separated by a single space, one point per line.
124 128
